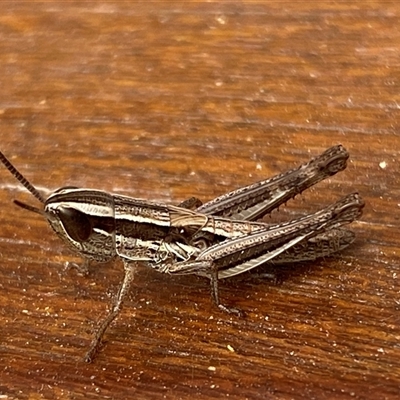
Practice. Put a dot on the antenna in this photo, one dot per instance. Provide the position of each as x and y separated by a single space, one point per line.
21 179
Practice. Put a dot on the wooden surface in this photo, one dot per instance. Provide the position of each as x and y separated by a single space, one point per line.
168 100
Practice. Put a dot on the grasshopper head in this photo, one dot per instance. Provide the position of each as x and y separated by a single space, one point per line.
82 218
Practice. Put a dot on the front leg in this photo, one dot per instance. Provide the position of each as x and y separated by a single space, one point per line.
116 307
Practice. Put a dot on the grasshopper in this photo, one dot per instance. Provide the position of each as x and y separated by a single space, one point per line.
218 239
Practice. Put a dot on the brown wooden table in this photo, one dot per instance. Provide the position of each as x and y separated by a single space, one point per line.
166 100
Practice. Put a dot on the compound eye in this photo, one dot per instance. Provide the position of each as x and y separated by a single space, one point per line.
75 222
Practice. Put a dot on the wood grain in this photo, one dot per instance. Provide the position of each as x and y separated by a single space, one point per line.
166 100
